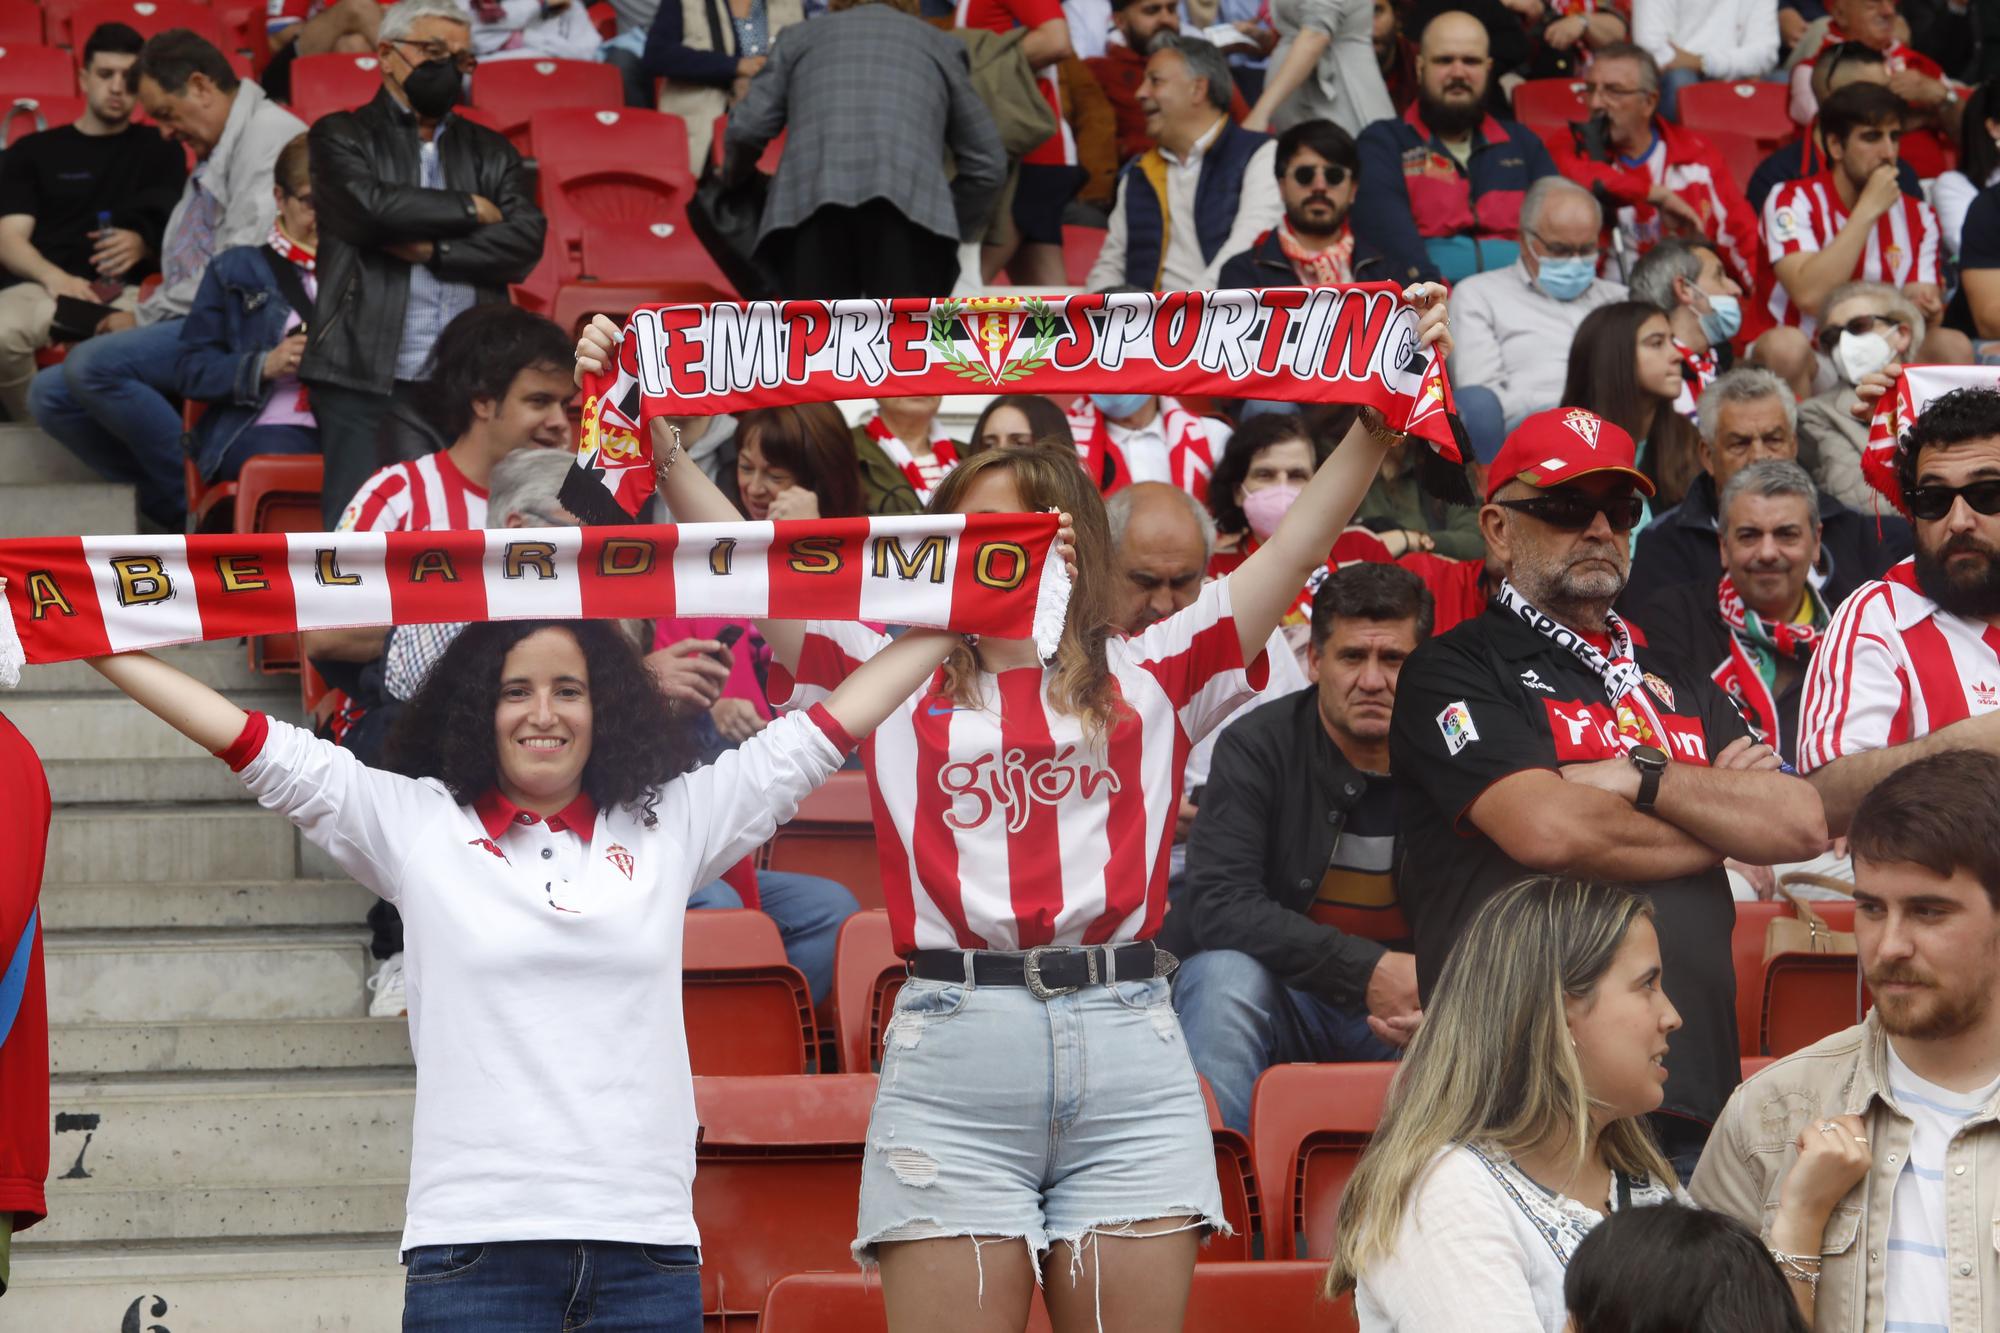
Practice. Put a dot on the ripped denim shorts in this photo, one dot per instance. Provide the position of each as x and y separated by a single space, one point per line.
1000 1114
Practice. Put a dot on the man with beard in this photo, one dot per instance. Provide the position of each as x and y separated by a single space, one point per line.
1540 738
1135 29
1870 1161
1911 663
1319 173
1445 179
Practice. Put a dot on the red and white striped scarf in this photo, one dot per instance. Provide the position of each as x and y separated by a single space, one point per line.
73 597
1318 268
943 448
1897 410
1750 675
1190 456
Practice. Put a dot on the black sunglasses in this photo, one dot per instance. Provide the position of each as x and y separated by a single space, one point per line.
1931 503
1571 511
1829 334
1336 175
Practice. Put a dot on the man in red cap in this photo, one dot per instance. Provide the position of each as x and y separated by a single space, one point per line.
1539 738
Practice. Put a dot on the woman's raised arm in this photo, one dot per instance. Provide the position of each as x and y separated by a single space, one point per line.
875 688
1265 585
176 698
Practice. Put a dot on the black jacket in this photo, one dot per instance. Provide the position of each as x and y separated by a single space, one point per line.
1278 794
365 168
1686 624
1264 265
1679 546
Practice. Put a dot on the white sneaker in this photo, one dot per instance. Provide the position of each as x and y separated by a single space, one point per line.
386 987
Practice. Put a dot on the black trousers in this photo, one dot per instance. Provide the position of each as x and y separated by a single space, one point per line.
871 250
348 421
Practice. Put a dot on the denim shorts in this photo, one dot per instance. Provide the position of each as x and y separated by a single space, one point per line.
1003 1115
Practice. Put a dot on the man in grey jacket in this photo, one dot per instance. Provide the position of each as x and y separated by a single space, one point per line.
108 401
871 98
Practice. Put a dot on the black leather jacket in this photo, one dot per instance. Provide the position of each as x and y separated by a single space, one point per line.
365 168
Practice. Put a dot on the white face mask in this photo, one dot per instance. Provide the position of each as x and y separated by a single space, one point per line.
1860 355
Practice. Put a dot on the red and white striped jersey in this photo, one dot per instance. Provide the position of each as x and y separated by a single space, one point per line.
1176 446
1803 216
424 495
1000 826
1894 668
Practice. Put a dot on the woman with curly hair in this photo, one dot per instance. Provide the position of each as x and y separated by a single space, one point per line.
1038 1114
541 836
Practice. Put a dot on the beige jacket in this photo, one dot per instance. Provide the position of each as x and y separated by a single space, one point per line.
1847 1073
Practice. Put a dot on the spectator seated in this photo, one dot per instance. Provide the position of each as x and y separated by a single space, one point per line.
1121 70
1696 40
1319 174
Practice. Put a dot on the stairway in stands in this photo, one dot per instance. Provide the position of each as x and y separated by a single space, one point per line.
229 1132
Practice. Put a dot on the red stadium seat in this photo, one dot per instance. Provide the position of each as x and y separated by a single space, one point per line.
1749 106
278 493
516 90
1080 249
1742 153
149 17
606 19
1754 1065
27 115
1308 1125
777 1174
1238 1179
833 834
747 1010
1549 102
36 72
865 969
1746 948
767 161
571 304
21 24
335 81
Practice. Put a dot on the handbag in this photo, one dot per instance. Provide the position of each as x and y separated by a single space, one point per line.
724 216
1808 932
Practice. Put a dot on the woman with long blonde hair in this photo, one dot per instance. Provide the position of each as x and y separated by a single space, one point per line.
1038 1117
1515 1124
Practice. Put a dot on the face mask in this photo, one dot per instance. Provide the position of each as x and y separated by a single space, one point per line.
1566 279
1722 318
1267 508
1121 405
1860 355
433 88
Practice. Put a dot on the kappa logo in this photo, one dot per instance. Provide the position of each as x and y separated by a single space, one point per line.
621 858
1585 423
1985 695
490 846
1532 680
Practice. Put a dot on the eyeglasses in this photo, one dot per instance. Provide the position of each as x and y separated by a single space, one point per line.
1573 511
1606 90
1303 174
1588 250
1931 503
465 60
1829 334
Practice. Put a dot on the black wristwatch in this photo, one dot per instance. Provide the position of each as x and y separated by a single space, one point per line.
1651 761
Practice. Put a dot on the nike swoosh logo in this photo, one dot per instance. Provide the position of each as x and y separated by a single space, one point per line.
935 711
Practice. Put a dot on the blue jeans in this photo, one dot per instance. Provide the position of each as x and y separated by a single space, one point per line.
1485 422
542 1286
1671 83
1240 1020
808 910
256 440
110 403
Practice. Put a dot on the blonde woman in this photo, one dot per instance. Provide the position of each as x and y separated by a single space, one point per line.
1515 1125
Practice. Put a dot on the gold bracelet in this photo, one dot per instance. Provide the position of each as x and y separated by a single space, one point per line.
1377 427
673 455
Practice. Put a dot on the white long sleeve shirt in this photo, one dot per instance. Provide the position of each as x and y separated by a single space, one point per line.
1736 39
543 963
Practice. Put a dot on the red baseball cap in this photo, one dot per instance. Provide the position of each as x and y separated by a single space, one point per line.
1560 445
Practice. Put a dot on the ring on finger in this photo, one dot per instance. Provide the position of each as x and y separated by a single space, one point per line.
1827 1127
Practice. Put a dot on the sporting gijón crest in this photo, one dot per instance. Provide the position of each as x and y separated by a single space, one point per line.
621 858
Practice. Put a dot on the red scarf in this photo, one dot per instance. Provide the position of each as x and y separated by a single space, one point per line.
1750 676
1318 268
943 448
1897 410
1190 456
302 255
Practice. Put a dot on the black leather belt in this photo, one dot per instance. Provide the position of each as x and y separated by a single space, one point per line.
1046 972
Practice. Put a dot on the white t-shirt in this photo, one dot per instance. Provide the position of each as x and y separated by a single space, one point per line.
554 1100
1915 1290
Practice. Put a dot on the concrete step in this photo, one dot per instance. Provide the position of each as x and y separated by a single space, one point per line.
77 1049
152 976
68 726
298 902
67 509
223 665
89 1213
310 1284
29 456
229 1132
154 844
98 781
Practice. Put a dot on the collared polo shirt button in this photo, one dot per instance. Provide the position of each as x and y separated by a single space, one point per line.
1958 1170
548 852
1873 1256
524 818
1892 1159
1965 1270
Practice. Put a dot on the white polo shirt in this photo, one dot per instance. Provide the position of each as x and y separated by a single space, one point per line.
543 965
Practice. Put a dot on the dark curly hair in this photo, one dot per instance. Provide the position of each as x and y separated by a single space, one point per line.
637 745
1253 437
1952 418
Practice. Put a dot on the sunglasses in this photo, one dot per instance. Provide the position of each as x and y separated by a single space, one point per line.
1335 174
1571 511
1829 334
1931 503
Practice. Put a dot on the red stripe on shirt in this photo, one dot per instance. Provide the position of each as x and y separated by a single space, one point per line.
1128 871
376 494
936 843
1032 770
1937 675
249 743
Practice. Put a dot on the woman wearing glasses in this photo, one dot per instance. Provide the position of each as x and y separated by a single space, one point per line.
1623 365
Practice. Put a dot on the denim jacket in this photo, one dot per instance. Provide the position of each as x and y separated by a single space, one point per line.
1848 1074
239 315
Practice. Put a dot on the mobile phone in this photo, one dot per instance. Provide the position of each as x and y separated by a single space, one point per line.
727 637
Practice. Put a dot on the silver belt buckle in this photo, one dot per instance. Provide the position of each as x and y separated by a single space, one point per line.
1031 969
